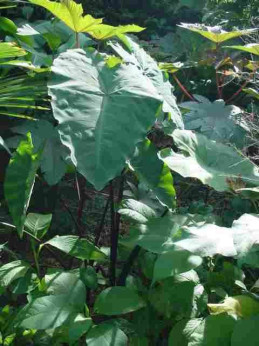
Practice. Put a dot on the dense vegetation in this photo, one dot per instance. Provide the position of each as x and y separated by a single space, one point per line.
129 173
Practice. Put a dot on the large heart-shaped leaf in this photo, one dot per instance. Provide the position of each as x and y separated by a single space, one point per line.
102 112
216 120
118 300
215 33
76 247
154 173
19 181
215 164
149 66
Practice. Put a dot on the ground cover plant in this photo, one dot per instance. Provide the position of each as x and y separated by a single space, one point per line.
169 252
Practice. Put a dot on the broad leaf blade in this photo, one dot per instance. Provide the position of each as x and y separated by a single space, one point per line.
215 164
118 300
154 173
252 48
102 112
106 334
12 271
38 224
19 181
76 247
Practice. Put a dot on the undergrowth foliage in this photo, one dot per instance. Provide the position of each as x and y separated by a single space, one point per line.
86 105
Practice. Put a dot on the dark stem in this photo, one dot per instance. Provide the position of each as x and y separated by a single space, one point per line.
130 261
114 240
219 86
127 266
101 226
182 87
77 40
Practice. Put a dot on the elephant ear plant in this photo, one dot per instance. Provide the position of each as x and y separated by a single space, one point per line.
167 277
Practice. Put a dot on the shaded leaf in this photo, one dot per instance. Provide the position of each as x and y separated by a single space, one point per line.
106 334
12 271
19 181
38 224
118 300
246 332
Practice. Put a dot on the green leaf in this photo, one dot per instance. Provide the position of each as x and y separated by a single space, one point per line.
62 283
208 240
216 120
150 69
104 32
154 173
215 33
89 108
106 334
250 193
19 181
70 13
178 296
67 299
10 50
215 164
136 211
76 247
38 224
78 327
45 134
252 92
147 236
89 277
252 48
211 331
246 332
118 300
174 262
246 239
12 271
8 26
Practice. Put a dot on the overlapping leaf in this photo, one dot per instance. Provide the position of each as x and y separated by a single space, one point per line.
102 112
215 164
216 120
150 69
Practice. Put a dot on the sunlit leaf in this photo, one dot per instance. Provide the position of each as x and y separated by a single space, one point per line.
215 33
252 48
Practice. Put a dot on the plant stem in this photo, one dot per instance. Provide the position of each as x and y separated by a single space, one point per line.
114 241
35 255
100 229
77 40
127 266
183 88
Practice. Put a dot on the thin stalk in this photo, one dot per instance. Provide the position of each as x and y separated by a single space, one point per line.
36 257
131 259
114 242
77 40
182 87
219 86
101 226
